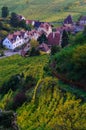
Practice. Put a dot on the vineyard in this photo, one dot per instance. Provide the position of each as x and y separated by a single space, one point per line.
46 10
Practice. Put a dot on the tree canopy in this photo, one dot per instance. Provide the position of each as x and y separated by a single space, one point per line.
5 11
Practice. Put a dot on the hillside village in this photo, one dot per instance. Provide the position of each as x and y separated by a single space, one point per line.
42 72
53 35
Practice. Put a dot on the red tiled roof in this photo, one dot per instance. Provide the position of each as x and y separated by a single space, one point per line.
45 25
54 38
12 37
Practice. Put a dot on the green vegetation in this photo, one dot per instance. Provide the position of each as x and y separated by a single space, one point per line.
65 39
46 10
5 12
40 100
52 108
70 62
32 86
17 64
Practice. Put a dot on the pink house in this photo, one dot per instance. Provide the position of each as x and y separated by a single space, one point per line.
32 22
45 28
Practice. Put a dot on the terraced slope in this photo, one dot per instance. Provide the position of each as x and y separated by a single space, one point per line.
46 10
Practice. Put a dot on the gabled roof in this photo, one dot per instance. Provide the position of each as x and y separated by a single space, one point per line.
68 20
44 47
45 25
12 37
29 21
54 38
37 24
20 17
67 28
83 18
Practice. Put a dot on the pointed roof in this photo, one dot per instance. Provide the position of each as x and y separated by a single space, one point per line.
54 38
68 20
44 47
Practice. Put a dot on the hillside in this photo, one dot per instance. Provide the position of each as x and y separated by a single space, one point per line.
45 104
16 64
44 91
46 10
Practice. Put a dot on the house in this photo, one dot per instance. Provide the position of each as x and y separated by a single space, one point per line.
66 28
31 22
82 20
45 28
44 47
54 38
33 34
68 21
25 49
78 28
37 24
16 39
20 17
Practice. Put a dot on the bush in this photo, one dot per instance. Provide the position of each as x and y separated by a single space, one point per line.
8 120
13 83
34 43
79 39
70 64
34 52
3 33
1 53
79 57
55 49
18 100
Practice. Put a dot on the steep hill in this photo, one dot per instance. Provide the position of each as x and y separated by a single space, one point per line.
52 109
46 10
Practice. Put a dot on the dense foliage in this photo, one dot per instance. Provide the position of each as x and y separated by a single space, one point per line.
41 102
70 62
65 39
52 108
5 12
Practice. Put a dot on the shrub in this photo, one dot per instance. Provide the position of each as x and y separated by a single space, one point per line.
34 43
13 83
79 57
18 100
70 64
34 52
1 53
55 49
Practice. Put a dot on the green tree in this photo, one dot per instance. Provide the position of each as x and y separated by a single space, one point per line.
42 39
22 23
34 52
55 49
34 43
65 39
14 20
1 25
84 32
5 12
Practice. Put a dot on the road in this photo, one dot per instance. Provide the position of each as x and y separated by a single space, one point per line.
8 53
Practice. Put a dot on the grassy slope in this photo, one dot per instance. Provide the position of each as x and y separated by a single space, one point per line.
52 109
46 99
17 64
29 66
46 10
